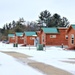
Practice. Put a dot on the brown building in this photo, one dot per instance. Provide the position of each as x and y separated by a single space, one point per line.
19 37
71 35
29 38
11 38
53 36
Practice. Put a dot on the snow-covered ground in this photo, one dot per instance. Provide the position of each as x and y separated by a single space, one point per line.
9 66
51 56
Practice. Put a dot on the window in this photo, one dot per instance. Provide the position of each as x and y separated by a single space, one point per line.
32 38
72 38
42 38
52 36
72 41
66 36
21 38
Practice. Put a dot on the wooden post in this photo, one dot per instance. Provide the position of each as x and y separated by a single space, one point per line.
16 39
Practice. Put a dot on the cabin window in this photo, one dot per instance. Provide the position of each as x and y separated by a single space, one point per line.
43 38
32 38
21 38
52 36
66 36
72 38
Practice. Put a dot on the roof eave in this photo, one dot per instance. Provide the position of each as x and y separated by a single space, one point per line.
52 33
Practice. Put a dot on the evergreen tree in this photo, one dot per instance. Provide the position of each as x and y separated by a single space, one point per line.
52 21
44 16
65 22
10 26
7 27
13 24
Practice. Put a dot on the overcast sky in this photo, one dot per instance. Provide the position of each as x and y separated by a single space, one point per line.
30 9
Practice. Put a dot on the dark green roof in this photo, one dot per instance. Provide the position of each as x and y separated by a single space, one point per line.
50 30
19 33
73 26
30 33
11 35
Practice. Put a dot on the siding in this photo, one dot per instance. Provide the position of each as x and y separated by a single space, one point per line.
72 31
60 38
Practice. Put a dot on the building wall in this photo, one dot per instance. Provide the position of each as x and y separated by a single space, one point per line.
30 40
43 38
20 40
25 40
11 39
62 36
72 31
52 41
56 39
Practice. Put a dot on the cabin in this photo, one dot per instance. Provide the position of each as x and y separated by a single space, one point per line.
71 35
30 38
11 38
19 37
53 36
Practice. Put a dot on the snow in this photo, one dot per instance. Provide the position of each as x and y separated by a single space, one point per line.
50 55
9 65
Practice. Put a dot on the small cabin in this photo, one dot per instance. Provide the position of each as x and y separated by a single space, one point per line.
11 38
71 35
53 36
19 37
30 37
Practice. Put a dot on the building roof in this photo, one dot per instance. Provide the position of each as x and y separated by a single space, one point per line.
50 30
19 33
11 35
73 26
62 27
30 33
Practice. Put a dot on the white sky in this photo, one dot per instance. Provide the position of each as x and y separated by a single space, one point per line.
30 9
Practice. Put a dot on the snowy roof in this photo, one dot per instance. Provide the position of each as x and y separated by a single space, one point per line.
50 30
11 35
30 33
19 33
